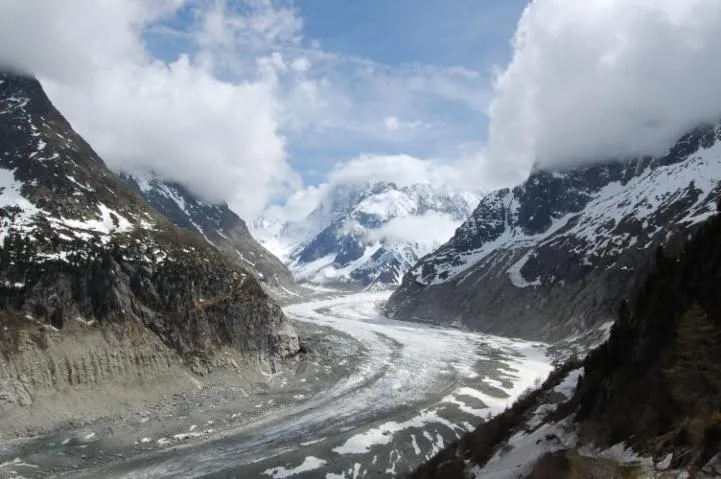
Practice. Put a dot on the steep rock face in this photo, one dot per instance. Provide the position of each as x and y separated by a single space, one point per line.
78 245
367 234
555 256
217 223
40 360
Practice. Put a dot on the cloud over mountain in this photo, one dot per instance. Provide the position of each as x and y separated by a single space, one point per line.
179 118
402 170
221 95
604 78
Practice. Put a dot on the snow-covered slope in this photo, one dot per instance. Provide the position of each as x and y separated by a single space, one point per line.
555 255
628 409
367 234
79 247
217 223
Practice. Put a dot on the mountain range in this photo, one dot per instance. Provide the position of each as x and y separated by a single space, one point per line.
643 404
366 234
553 257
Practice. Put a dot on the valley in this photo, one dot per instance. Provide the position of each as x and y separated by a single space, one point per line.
346 240
372 397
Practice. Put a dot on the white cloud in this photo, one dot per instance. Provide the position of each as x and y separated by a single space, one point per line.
218 137
601 79
74 38
298 205
186 125
403 170
301 65
392 123
232 34
432 227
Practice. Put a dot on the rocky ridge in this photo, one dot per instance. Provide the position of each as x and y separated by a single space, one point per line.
643 404
553 257
218 225
83 255
351 238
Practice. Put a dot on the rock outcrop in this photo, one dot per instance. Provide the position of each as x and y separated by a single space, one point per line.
85 261
554 256
218 224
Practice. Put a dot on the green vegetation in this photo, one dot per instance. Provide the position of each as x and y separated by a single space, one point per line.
657 382
654 385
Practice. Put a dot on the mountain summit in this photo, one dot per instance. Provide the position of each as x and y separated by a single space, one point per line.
366 234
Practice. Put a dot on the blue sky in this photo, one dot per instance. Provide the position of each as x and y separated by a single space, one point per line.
395 77
257 102
446 33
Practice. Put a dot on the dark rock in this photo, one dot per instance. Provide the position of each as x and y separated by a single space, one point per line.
215 222
554 257
95 250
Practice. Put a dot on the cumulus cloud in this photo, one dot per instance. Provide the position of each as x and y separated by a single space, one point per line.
403 170
432 227
179 118
183 124
72 39
602 79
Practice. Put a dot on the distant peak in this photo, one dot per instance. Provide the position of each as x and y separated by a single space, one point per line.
19 79
26 86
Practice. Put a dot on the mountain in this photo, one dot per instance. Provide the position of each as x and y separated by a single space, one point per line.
555 256
217 224
644 404
96 287
366 234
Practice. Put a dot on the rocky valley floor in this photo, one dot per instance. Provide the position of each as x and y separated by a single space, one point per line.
371 397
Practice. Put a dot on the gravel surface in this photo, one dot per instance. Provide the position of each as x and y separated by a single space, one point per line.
371 397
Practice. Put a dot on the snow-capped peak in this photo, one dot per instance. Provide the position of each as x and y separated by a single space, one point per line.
367 234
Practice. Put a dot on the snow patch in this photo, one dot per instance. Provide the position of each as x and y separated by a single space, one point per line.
517 279
11 196
310 463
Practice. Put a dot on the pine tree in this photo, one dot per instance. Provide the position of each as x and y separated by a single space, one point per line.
695 374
